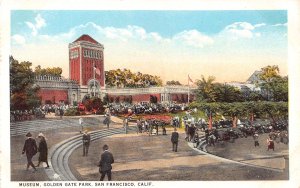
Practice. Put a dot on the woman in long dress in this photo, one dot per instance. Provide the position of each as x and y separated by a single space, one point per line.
270 143
43 149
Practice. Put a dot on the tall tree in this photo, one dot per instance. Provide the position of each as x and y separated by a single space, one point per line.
23 91
276 87
205 90
279 88
269 73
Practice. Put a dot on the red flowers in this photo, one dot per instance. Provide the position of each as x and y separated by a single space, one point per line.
165 118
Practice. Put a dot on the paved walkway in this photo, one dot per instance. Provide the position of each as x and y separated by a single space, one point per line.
243 150
56 130
139 156
142 157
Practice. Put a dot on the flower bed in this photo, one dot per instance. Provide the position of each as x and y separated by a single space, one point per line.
165 118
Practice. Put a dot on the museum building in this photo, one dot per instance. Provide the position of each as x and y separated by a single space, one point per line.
87 77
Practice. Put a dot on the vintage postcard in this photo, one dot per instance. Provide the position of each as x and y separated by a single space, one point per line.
149 95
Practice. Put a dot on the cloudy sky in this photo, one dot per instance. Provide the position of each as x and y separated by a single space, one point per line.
229 45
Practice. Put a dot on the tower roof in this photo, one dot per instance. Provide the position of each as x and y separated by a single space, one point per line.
86 38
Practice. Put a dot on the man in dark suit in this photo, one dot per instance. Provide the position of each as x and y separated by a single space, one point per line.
86 139
105 163
174 139
30 148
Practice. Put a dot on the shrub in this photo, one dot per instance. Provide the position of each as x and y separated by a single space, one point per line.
71 112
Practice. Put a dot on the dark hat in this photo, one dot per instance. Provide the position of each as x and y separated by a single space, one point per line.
105 147
28 134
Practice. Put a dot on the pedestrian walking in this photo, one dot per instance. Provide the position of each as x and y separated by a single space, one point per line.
211 140
206 135
125 124
255 138
43 149
105 163
86 139
107 118
61 112
138 126
174 140
164 131
81 124
270 143
30 148
156 127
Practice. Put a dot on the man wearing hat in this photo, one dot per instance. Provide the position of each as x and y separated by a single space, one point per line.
86 139
30 148
105 163
43 149
174 139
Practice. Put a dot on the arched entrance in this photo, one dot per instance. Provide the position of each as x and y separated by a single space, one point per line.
94 88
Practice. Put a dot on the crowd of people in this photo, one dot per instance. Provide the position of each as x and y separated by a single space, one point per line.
223 130
145 108
220 131
39 112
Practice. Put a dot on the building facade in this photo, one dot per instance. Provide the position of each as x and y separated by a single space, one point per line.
167 94
55 90
86 64
87 77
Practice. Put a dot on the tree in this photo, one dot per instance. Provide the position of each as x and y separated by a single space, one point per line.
279 88
23 91
173 82
125 78
269 73
226 93
54 71
262 109
205 90
254 96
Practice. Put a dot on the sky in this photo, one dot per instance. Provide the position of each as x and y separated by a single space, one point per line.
229 45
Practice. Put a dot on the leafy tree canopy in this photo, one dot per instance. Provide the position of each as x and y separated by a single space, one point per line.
275 86
125 78
23 91
173 82
54 71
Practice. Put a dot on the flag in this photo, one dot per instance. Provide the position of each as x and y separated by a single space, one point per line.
190 80
97 71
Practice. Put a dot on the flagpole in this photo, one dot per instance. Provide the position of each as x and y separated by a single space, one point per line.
188 90
94 78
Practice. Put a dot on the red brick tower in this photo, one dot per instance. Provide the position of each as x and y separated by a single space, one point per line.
85 53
